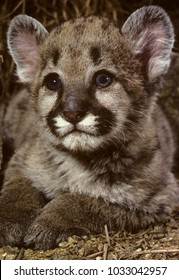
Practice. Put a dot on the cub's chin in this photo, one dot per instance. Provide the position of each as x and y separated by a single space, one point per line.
81 141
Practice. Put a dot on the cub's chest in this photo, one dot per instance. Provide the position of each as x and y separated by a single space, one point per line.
54 175
57 174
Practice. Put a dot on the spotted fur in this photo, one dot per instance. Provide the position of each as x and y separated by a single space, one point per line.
91 143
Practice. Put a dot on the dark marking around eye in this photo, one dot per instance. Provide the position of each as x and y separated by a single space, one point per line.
95 54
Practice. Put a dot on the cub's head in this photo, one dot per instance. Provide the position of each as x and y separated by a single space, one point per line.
92 85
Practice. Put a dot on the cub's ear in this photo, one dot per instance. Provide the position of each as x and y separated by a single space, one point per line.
150 36
24 36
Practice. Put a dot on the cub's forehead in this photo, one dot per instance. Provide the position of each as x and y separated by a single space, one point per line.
84 33
84 40
86 29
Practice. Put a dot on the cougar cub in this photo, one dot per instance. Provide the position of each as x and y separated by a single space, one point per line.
92 147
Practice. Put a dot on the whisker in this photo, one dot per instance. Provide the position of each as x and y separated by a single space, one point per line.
135 128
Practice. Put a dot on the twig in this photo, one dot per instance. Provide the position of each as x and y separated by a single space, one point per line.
107 235
20 255
43 9
159 251
105 251
94 255
1 59
13 11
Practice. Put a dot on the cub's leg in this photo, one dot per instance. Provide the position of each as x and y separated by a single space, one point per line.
80 215
19 206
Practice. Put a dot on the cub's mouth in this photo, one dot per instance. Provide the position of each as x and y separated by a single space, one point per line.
63 128
77 132
86 132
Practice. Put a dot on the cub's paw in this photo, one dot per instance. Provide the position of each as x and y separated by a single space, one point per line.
13 227
14 223
10 233
20 204
41 235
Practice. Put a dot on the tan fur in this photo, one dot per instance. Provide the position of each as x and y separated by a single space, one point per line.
100 153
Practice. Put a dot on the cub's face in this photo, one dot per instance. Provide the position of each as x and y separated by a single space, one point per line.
86 86
90 84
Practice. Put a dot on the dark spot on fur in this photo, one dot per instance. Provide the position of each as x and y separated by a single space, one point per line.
55 56
22 106
78 27
95 54
161 209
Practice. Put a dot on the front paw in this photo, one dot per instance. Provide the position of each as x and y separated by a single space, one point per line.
13 225
43 235
14 222
10 233
20 204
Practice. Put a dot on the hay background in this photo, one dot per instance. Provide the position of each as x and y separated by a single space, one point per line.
156 243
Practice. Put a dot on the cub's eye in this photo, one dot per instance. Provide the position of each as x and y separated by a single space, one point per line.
52 82
103 80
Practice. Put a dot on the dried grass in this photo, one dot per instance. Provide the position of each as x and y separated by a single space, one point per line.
157 243
160 242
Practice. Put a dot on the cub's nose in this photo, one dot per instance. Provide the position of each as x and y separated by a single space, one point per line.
73 109
74 116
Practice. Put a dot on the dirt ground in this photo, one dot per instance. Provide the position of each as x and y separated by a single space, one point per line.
160 242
